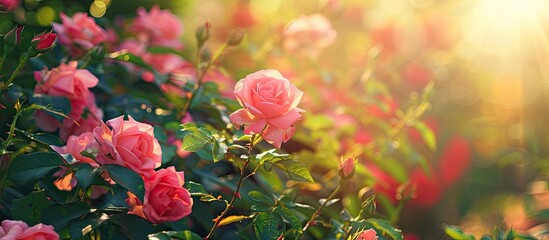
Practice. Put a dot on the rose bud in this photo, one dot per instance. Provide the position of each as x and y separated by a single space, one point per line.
203 33
368 234
236 37
9 5
347 168
43 42
13 37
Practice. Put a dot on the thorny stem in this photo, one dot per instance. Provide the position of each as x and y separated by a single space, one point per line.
20 67
236 193
319 210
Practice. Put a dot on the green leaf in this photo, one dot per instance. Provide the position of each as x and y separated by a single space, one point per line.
33 166
196 189
219 150
261 207
29 208
290 217
260 197
268 226
85 174
296 170
128 179
131 58
81 226
59 215
132 226
367 207
195 141
427 134
57 104
271 156
168 152
455 233
385 228
168 235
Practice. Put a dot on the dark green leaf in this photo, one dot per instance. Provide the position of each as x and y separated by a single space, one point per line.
85 174
260 197
81 226
261 207
268 226
296 170
384 227
290 217
196 189
33 166
127 178
131 58
57 104
132 226
29 208
59 215
367 207
168 152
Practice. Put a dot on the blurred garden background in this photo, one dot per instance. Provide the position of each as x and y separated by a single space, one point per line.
443 103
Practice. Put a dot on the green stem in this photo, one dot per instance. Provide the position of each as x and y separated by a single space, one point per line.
201 75
4 56
20 67
319 210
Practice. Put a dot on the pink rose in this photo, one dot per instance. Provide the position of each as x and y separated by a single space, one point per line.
157 27
11 229
68 81
368 234
9 5
75 145
129 143
79 33
19 230
39 231
309 34
165 198
270 106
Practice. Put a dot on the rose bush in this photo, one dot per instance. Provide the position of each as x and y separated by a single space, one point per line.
136 127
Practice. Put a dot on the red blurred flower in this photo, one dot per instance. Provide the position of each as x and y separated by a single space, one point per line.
455 160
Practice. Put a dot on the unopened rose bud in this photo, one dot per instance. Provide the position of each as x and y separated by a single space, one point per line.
205 55
42 43
13 37
9 5
347 168
203 33
236 37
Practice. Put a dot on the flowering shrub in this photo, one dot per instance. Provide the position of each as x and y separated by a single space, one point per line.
135 126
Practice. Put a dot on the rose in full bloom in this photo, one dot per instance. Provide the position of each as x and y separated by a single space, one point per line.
11 229
79 33
157 27
270 106
9 5
309 34
72 83
165 198
368 234
130 143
